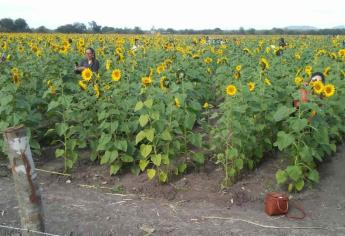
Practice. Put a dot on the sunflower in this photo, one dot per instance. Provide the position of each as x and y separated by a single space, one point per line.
264 64
251 86
237 75
160 69
162 82
82 85
341 53
96 89
106 87
87 74
16 79
318 87
298 80
308 70
238 68
208 60
205 106
107 64
329 90
146 81
326 70
297 56
231 90
52 89
116 75
267 81
177 102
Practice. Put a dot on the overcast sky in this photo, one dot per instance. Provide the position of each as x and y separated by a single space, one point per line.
178 14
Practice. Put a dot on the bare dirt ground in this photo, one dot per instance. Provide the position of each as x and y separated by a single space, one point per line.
92 203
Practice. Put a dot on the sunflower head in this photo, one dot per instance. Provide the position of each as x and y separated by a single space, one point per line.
208 60
96 89
82 85
318 87
251 86
238 68
329 90
146 81
298 80
231 90
87 74
264 64
326 70
116 75
177 102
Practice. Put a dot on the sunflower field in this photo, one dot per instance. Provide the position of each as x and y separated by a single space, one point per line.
162 104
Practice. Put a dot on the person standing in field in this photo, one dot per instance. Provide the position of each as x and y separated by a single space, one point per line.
317 76
90 61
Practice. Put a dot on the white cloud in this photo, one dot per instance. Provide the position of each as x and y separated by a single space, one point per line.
178 14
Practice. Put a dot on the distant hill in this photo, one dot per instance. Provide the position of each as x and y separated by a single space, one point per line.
301 28
339 27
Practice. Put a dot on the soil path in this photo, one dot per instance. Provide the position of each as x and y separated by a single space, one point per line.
183 207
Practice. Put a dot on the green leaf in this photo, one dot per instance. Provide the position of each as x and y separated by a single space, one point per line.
140 136
143 119
232 153
156 159
121 145
182 167
195 139
139 106
143 164
151 173
189 120
52 105
198 158
105 158
61 128
114 168
135 170
127 158
282 113
3 125
298 124
155 115
195 106
113 156
163 177
314 176
165 135
103 141
284 140
165 159
59 152
148 103
306 154
294 172
239 163
281 176
150 134
145 150
299 185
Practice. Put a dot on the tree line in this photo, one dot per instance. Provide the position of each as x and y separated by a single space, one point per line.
20 25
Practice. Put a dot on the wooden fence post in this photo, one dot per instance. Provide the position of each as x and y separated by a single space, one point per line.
24 176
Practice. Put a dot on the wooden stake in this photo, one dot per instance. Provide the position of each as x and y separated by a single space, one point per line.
24 176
